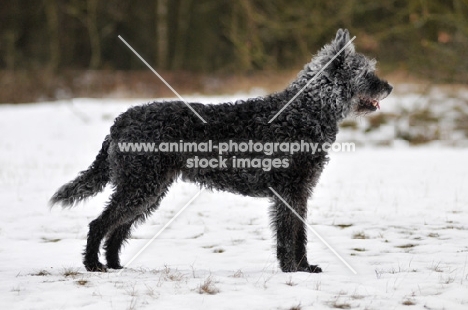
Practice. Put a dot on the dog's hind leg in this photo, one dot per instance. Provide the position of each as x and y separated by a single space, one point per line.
119 211
116 239
126 204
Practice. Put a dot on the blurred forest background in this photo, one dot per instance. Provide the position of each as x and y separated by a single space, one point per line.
56 49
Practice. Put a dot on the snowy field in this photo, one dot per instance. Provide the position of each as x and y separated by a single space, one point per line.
397 214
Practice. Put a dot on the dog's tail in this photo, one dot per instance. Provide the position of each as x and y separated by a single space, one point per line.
88 183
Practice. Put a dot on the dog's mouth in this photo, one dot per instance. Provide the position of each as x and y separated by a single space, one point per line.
368 104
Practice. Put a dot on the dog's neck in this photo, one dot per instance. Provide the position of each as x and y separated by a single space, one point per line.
324 93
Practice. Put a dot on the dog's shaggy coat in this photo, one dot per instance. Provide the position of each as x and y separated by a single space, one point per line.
140 181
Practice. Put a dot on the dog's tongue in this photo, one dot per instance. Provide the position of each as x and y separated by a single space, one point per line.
376 104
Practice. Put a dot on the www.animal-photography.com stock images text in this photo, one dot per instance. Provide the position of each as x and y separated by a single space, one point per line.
180 154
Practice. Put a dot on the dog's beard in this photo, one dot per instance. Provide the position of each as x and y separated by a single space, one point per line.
367 103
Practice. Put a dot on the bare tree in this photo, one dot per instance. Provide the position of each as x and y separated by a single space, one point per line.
87 13
183 24
52 15
91 23
161 30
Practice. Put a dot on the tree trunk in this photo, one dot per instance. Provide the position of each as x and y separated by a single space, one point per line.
91 24
52 14
182 28
161 31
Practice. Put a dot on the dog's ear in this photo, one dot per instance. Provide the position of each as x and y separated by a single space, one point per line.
331 50
341 39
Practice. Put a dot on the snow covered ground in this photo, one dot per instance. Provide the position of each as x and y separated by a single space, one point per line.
398 215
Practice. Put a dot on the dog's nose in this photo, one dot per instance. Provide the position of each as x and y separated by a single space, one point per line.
390 88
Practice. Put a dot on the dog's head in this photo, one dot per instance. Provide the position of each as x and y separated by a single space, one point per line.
365 88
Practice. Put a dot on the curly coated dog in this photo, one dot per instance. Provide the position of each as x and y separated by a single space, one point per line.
348 85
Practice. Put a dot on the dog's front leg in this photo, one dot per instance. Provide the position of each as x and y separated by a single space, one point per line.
291 236
284 222
301 246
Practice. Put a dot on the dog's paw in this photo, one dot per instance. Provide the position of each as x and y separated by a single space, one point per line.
114 266
314 269
95 267
309 268
288 268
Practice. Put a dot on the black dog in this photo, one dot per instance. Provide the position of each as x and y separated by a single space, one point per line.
140 180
